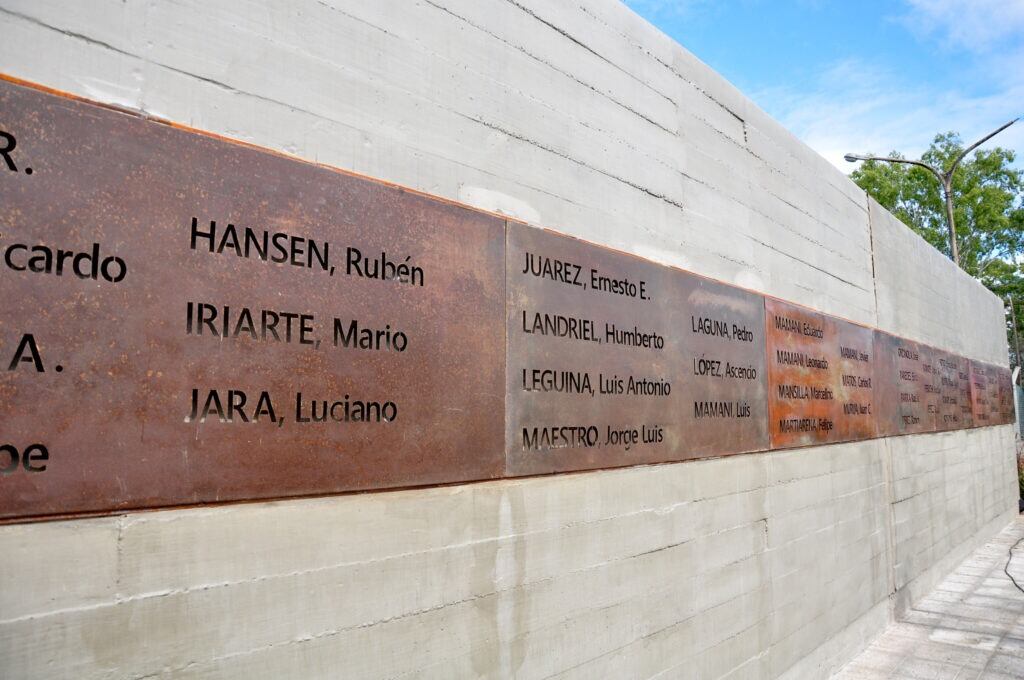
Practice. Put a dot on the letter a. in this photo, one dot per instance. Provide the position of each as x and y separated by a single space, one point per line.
27 341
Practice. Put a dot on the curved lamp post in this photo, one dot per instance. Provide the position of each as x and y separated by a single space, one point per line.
945 178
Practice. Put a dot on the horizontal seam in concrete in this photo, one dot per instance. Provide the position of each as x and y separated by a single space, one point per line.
340 631
555 68
586 47
508 86
121 600
497 127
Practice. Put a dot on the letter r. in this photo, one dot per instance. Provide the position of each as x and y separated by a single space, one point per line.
9 143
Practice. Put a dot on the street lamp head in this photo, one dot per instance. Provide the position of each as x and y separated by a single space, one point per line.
851 158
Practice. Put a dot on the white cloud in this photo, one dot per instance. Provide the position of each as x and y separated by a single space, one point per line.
974 25
863 105
664 8
859 106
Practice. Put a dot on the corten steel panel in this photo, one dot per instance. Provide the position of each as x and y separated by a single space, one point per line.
985 394
995 396
966 407
113 407
955 392
1001 378
1006 409
909 392
570 403
855 394
932 385
820 377
887 383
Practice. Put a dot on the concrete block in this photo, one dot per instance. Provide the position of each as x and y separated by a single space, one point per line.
919 292
57 566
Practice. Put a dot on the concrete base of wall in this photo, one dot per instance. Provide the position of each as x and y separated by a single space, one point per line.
777 565
912 593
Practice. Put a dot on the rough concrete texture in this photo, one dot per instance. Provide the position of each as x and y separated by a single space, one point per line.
576 116
971 627
918 299
583 118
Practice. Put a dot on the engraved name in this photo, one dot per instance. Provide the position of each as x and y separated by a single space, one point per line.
784 323
789 358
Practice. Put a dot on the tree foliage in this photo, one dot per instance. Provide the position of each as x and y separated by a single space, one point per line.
988 195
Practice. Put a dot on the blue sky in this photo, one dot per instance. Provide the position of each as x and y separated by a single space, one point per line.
864 75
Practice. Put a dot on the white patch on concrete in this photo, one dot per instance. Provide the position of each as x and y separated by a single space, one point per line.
110 92
749 279
661 256
503 204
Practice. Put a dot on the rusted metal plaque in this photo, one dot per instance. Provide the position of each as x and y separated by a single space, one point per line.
985 400
801 376
993 393
855 394
909 397
188 320
613 360
820 377
954 372
932 386
1006 407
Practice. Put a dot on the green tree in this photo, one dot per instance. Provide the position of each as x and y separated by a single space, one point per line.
988 195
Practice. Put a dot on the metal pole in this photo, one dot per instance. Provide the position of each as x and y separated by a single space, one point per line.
947 189
945 178
1016 337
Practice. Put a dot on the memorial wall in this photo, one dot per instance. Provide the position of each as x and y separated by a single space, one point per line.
171 343
458 339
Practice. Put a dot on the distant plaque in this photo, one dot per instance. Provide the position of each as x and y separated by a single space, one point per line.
932 385
1004 380
910 397
821 377
1000 387
985 394
188 320
955 411
614 360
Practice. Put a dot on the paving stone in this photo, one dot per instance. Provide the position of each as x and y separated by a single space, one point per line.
971 627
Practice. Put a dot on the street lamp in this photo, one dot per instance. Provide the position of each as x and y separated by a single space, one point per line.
945 179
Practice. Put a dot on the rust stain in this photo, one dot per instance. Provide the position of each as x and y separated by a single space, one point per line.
614 360
910 385
821 377
992 394
253 320
663 365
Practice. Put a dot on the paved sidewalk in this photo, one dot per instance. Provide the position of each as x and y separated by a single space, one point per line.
970 627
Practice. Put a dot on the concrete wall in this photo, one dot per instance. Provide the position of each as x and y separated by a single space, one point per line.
576 116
